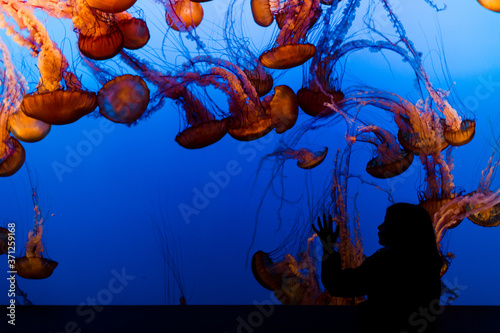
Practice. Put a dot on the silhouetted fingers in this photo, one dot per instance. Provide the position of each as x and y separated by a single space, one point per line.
314 228
330 223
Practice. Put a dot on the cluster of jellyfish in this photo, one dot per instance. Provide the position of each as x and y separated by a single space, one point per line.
310 33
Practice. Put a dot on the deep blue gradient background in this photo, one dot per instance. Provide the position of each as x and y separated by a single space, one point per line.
105 208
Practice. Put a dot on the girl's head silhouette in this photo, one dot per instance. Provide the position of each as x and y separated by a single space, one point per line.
406 227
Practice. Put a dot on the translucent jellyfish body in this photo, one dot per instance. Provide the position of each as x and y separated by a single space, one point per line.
295 20
261 80
35 268
284 108
101 43
262 269
4 240
203 129
12 156
27 129
123 99
312 101
183 15
33 265
461 136
489 217
59 107
493 5
111 6
135 33
390 159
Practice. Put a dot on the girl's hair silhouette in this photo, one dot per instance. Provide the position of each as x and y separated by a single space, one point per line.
400 280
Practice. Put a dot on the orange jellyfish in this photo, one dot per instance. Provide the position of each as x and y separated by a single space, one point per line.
111 6
299 17
480 206
59 107
390 159
12 156
489 217
123 99
33 265
183 15
262 269
485 212
493 5
292 281
421 135
203 129
460 134
242 54
455 131
99 35
12 153
284 108
321 83
49 103
251 116
4 240
260 79
27 129
440 189
306 159
135 31
312 99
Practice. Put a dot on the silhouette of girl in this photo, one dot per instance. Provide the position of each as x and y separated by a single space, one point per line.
401 280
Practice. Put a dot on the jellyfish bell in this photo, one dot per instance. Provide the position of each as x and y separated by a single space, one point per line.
262 266
313 102
312 160
111 6
383 170
446 259
35 267
287 56
12 156
461 136
249 130
135 33
185 15
291 49
261 12
4 240
493 5
284 108
485 218
389 159
249 125
261 80
202 129
433 206
281 18
27 129
416 143
203 134
123 99
101 43
59 107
